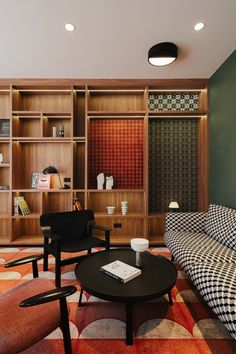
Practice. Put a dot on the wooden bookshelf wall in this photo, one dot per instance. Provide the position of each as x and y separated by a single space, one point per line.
95 114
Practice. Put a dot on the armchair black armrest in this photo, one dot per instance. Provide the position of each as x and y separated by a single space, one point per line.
95 226
47 232
107 233
33 258
47 296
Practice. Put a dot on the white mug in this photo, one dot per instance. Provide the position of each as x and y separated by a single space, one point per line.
1 158
110 210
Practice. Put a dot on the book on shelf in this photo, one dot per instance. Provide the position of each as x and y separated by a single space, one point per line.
5 127
76 204
44 181
21 206
121 271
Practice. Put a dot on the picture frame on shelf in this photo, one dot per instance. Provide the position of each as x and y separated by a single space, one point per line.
35 180
44 181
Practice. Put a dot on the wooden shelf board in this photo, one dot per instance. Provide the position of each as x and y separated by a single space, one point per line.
57 190
39 113
115 114
173 114
4 240
35 190
26 115
113 90
119 215
41 139
29 190
30 216
58 115
115 190
4 165
79 139
28 239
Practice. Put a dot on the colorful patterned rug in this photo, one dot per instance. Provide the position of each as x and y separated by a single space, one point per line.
189 326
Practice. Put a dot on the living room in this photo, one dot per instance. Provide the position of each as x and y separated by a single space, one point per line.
92 125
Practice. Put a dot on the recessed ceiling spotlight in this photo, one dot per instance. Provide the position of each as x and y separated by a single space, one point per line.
199 26
70 27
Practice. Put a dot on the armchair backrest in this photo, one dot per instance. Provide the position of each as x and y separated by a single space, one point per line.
70 225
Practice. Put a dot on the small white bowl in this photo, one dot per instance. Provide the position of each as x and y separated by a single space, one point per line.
110 210
139 244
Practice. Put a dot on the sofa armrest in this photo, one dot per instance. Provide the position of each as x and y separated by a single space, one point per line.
193 222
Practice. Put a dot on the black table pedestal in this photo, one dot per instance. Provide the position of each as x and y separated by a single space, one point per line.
129 323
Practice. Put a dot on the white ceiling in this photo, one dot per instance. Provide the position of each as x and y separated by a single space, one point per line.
113 37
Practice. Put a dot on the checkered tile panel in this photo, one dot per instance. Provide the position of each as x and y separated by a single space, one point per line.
173 101
185 221
216 282
221 225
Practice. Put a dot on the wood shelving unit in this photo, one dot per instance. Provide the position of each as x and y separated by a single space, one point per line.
84 108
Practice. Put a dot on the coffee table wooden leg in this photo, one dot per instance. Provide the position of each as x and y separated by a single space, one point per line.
129 323
170 298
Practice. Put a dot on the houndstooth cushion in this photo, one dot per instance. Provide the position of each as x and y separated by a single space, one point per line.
191 248
221 225
185 221
216 282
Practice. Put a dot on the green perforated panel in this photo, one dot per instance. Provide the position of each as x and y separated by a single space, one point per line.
173 163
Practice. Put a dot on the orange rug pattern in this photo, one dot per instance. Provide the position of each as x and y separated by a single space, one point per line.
189 326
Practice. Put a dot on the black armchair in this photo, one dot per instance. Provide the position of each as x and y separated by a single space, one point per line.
20 328
70 232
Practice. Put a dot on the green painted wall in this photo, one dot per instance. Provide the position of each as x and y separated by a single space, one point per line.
222 134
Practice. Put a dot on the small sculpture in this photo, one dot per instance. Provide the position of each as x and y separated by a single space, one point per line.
100 180
109 182
124 207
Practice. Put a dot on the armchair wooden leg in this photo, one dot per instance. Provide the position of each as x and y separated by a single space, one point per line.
35 269
58 266
80 297
58 273
45 260
65 326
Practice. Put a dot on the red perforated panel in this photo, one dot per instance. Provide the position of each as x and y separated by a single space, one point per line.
116 149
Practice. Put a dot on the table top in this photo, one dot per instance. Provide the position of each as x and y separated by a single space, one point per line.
158 276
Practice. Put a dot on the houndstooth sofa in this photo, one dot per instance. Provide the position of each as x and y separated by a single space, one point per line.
204 244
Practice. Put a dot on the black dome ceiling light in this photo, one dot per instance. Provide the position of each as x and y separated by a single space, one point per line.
162 54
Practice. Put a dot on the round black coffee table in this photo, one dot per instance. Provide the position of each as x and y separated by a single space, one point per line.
158 278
